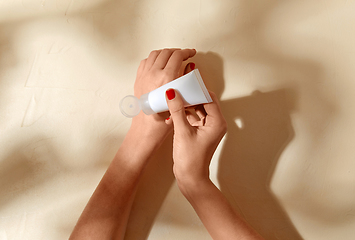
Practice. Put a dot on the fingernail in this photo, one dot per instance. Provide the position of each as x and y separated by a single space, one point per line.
192 66
170 93
167 118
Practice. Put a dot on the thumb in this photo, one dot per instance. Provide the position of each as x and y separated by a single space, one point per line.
176 109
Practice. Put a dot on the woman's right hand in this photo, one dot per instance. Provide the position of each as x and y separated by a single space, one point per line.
196 137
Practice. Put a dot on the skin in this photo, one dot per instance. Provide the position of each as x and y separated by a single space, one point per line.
195 140
196 137
106 214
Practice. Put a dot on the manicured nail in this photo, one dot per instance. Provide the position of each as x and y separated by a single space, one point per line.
192 66
170 93
167 118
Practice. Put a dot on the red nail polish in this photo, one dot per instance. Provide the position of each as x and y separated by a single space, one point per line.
167 118
192 66
170 93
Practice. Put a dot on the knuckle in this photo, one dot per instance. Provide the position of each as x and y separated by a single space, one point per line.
143 61
177 108
177 54
167 51
213 95
154 52
224 126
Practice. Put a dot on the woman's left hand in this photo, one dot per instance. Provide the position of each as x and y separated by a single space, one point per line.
161 67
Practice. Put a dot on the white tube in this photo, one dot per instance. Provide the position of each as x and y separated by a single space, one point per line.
190 86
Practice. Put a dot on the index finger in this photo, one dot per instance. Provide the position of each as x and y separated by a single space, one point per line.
213 109
176 59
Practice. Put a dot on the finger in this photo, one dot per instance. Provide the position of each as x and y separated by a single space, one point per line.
200 111
189 67
191 117
151 59
163 57
213 109
169 121
177 110
176 59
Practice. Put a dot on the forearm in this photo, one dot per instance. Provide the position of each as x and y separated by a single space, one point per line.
215 212
107 212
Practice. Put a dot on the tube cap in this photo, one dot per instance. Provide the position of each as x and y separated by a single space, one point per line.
130 106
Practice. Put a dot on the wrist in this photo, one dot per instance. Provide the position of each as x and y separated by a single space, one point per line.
191 171
141 141
191 186
151 128
137 146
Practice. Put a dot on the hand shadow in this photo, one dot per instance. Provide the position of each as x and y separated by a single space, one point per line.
25 168
259 129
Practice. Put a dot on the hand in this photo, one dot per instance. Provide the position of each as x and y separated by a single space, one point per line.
196 137
161 67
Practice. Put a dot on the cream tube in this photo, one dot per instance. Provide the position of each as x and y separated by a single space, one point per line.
190 86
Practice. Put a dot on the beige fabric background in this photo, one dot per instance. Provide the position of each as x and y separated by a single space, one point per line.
284 72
